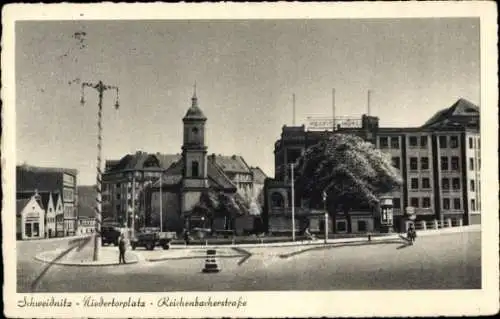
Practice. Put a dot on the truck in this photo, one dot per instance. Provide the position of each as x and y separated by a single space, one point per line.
151 237
110 233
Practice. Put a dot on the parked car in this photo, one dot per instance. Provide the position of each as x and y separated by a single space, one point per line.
151 237
110 235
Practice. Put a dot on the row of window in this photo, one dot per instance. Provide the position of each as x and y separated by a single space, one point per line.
384 142
453 141
425 201
455 183
423 142
51 219
426 183
457 204
472 143
419 141
447 163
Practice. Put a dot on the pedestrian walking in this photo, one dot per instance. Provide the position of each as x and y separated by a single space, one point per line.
122 248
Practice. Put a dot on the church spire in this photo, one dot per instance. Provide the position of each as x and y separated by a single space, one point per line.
194 112
194 99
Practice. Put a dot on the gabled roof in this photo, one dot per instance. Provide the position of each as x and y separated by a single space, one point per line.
232 164
20 204
258 175
216 177
142 160
173 175
461 114
55 197
166 160
45 197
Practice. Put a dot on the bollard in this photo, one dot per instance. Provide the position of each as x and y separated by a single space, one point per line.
460 222
436 224
448 222
211 262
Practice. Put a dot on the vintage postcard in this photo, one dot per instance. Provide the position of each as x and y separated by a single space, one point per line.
250 160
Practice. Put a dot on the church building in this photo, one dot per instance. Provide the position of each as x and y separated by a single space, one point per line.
179 189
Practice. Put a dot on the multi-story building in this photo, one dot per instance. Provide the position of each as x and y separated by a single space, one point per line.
30 179
125 182
439 163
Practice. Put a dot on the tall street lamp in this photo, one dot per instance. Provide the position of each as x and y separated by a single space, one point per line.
100 87
325 197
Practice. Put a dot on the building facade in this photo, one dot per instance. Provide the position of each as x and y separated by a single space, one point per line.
125 181
439 163
47 203
30 217
55 180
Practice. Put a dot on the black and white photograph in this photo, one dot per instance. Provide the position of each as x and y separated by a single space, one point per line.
187 160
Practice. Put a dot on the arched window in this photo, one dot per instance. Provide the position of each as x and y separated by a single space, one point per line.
195 168
277 200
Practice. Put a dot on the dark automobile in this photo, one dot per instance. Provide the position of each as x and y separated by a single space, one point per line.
110 235
150 237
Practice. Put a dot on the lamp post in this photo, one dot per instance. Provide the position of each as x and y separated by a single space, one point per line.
293 201
161 202
325 197
100 87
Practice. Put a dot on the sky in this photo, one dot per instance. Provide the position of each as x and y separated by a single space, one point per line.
246 72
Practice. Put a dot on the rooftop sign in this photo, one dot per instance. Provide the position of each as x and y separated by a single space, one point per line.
327 124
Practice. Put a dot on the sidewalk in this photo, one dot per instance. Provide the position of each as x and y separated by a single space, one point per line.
392 236
84 257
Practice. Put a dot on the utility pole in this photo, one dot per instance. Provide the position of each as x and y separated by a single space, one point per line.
100 87
333 109
132 223
293 202
293 97
161 201
325 197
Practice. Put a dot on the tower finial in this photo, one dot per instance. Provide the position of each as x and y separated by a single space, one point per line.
194 99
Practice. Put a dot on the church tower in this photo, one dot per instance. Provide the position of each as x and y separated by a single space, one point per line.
194 156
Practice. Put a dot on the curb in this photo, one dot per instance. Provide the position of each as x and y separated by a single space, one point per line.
386 240
428 232
393 238
41 257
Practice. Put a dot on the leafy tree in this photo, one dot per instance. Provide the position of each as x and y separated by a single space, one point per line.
351 171
213 204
